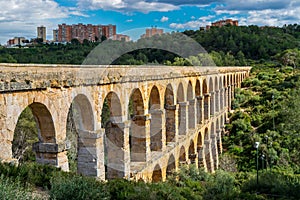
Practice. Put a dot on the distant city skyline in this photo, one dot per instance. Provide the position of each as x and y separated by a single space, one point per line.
20 18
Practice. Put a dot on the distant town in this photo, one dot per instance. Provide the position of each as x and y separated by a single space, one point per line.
93 33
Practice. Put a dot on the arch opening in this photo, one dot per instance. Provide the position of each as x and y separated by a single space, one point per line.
206 100
156 120
170 114
137 130
114 138
214 144
79 120
217 95
34 126
157 174
182 156
182 120
212 97
207 151
221 91
190 91
199 102
171 165
192 153
200 151
192 115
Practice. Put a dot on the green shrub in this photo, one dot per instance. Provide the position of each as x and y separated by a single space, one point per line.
32 173
221 186
76 187
12 190
119 189
275 184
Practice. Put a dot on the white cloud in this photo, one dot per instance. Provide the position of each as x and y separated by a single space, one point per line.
129 20
21 17
102 4
26 10
164 19
273 17
206 18
230 12
261 12
195 24
248 5
126 5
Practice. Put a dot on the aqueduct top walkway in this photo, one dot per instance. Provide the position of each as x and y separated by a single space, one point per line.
158 116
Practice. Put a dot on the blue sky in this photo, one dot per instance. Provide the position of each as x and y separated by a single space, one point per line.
21 17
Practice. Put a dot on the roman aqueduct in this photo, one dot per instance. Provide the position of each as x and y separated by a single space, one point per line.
160 117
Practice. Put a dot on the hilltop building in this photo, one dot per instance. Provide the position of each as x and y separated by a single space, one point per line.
151 32
121 37
41 33
16 41
65 33
222 23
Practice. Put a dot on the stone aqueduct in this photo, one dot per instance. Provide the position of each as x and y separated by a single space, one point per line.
177 115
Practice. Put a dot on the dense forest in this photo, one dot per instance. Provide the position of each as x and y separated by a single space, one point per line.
228 45
266 110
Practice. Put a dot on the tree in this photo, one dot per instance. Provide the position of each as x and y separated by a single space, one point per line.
103 38
25 135
75 41
289 57
241 58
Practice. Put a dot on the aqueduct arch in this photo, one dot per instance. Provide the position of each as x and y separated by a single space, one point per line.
137 131
171 114
156 133
45 132
208 151
212 96
206 99
192 153
157 174
114 137
44 120
192 106
80 122
217 95
182 156
171 166
182 110
199 102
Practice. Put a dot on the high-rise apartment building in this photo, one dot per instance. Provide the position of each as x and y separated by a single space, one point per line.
109 30
55 35
41 33
65 33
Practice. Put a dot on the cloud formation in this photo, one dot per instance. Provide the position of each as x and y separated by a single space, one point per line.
186 2
262 12
164 19
21 17
248 5
127 5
